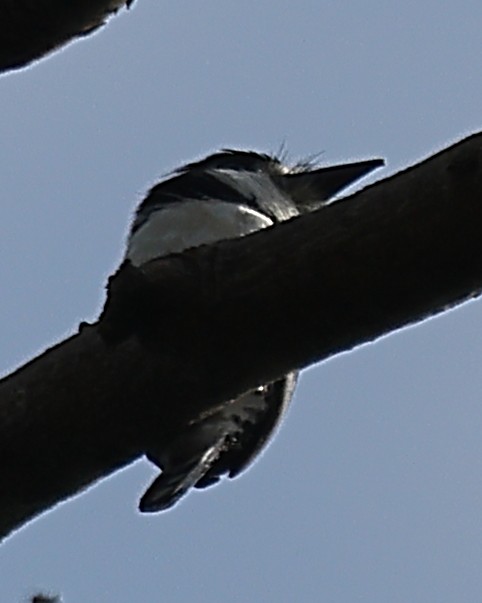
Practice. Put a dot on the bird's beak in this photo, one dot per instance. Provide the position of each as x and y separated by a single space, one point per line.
316 186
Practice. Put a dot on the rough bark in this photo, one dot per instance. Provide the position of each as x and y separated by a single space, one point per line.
30 29
195 329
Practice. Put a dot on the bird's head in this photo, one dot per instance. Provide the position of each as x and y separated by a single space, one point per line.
259 180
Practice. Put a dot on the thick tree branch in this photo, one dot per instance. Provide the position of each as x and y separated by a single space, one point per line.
193 330
31 28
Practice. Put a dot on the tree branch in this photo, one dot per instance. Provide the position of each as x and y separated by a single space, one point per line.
192 330
30 29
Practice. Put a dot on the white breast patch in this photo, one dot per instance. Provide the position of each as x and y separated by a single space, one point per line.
179 226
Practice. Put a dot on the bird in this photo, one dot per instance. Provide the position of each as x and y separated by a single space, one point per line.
228 194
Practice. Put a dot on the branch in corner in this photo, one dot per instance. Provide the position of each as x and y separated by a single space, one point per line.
29 29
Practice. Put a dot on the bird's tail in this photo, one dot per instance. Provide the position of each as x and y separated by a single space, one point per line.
174 482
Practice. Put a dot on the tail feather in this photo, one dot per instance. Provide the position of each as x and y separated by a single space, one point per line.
175 482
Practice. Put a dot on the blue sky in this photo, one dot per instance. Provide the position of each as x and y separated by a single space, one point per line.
372 490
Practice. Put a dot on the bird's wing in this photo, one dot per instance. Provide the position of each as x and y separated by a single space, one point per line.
254 435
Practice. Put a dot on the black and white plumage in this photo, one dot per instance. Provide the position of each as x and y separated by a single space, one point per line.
226 195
